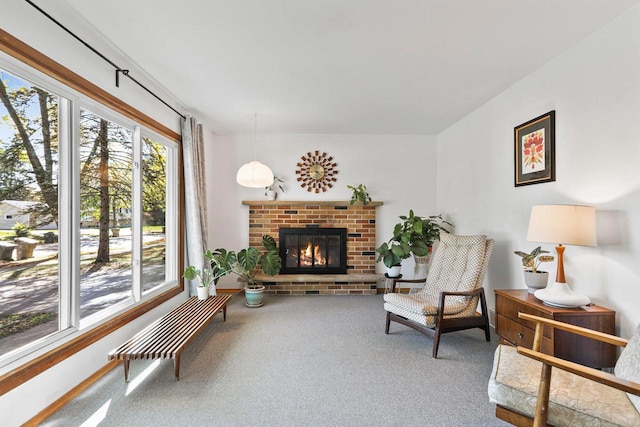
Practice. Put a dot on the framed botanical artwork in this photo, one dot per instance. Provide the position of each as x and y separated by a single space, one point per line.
535 150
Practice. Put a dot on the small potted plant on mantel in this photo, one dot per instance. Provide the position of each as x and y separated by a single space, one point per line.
534 278
359 194
272 190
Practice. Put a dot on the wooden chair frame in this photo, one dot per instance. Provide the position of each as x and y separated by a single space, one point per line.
549 362
445 324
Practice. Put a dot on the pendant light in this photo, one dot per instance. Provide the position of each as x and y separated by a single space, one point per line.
254 174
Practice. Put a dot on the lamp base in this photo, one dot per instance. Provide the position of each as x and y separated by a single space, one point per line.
559 294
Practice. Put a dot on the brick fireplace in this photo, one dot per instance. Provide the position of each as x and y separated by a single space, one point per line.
266 217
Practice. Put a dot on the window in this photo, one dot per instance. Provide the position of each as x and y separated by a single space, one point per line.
103 225
156 178
29 179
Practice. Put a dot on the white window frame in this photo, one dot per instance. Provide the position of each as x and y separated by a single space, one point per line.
70 326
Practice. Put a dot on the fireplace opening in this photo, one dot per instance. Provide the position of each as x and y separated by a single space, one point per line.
313 250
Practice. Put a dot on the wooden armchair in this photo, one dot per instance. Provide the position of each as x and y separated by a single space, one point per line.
528 394
453 289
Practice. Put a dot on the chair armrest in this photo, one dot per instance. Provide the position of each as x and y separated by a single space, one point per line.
393 283
549 362
462 294
474 293
589 333
583 371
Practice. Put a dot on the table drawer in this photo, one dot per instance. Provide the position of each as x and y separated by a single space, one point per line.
518 334
510 309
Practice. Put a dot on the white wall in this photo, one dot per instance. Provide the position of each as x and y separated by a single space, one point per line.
25 23
594 88
399 170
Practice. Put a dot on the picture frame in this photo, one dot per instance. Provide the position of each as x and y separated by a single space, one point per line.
535 150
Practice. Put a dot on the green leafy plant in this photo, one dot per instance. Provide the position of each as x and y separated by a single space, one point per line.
415 234
531 261
244 263
390 254
21 230
359 194
208 275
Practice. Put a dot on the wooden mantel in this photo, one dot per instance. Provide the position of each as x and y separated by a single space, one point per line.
306 203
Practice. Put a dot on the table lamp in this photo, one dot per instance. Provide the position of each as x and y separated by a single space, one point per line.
563 225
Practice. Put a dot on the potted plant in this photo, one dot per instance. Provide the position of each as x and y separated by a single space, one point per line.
271 190
359 194
391 255
417 235
533 278
244 263
205 277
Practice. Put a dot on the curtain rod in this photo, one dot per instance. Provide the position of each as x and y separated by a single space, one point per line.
118 69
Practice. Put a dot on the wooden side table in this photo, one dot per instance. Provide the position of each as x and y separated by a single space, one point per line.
516 331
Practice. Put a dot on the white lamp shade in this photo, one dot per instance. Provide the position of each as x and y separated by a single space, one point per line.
563 224
255 175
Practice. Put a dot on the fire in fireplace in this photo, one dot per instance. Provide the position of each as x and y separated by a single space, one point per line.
313 250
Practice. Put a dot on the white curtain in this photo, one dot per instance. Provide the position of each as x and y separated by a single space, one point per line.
195 195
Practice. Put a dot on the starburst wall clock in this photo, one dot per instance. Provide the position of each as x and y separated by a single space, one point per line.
316 171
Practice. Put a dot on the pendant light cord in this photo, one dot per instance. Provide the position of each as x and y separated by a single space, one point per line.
255 136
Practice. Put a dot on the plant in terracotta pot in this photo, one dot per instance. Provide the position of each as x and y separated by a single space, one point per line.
534 278
245 265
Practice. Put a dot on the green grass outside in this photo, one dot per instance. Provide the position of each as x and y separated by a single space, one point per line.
15 323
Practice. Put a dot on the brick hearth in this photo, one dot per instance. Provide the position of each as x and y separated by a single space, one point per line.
266 217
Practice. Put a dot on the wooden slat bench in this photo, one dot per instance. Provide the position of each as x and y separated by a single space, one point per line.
168 336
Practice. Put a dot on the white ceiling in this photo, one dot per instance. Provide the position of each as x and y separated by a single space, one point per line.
337 66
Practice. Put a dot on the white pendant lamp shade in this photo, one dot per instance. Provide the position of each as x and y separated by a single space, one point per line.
255 175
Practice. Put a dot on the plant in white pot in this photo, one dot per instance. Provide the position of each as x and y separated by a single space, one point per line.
205 277
245 265
272 190
391 255
534 278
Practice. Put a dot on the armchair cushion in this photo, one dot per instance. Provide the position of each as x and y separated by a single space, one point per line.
458 264
423 303
628 364
574 400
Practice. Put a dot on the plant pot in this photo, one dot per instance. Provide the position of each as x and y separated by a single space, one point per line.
115 232
271 195
254 296
203 292
535 281
394 271
421 269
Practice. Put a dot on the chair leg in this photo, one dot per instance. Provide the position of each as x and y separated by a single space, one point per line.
485 314
436 342
386 327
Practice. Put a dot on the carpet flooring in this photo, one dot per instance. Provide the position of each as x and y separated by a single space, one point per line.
300 361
